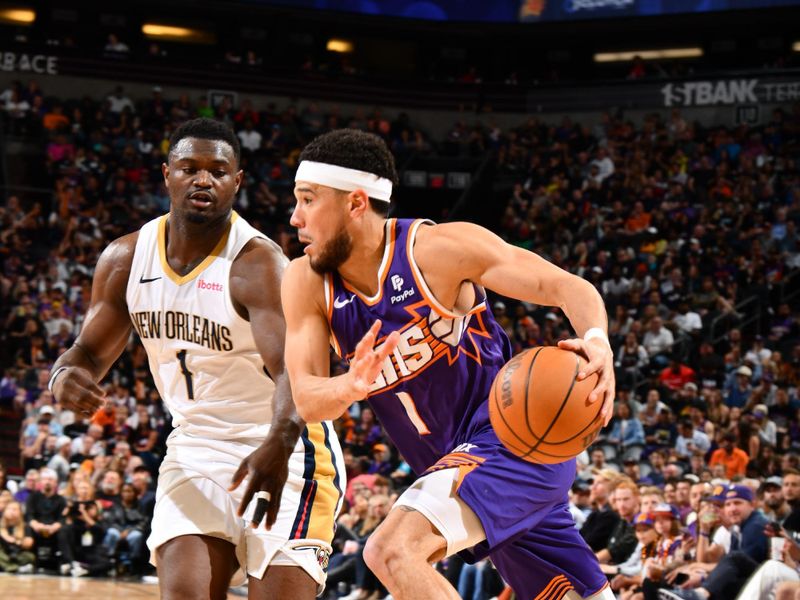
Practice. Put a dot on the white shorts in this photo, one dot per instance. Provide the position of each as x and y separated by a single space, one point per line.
434 496
192 498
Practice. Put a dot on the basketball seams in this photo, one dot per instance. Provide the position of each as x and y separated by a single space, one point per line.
582 431
525 396
499 412
535 448
558 412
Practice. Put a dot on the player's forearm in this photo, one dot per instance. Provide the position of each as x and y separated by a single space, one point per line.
322 398
78 356
286 423
582 304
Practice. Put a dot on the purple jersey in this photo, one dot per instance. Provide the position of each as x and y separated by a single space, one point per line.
430 389
431 397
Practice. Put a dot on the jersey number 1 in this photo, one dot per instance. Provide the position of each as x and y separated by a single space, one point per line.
411 410
186 373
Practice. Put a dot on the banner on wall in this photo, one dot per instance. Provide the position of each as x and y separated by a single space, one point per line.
746 91
18 62
731 91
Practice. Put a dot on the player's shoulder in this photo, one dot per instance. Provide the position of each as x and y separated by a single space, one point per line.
445 233
119 253
260 248
303 287
441 241
299 272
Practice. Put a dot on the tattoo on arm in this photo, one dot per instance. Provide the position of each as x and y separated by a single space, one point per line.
406 508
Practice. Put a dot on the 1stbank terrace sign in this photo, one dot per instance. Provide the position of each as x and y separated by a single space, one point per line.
28 63
732 91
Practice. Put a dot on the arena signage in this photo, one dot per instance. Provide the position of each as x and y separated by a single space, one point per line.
28 63
733 91
574 6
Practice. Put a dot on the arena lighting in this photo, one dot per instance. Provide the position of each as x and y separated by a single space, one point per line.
796 46
17 16
629 55
177 34
337 45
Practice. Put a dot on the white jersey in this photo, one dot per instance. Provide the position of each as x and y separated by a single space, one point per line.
202 353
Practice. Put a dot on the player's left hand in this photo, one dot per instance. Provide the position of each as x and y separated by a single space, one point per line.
601 361
266 468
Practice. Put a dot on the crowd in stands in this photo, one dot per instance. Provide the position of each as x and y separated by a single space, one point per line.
690 234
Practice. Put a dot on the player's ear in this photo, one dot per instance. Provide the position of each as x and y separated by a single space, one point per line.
359 202
165 171
239 176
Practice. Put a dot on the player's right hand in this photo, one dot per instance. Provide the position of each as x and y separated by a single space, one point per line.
76 390
368 360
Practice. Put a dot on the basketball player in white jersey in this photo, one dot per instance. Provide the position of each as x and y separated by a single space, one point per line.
201 287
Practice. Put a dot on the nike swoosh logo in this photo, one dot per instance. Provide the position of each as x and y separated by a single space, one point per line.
342 303
143 280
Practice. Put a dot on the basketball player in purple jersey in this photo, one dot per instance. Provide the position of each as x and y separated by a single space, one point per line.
403 301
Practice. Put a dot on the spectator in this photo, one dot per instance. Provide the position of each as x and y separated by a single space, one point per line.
627 433
766 429
622 540
43 512
697 492
249 137
738 390
748 550
115 47
366 584
126 524
628 575
118 102
686 320
631 360
16 541
790 488
658 341
61 459
649 411
602 520
142 483
691 440
80 540
676 375
28 487
775 506
88 444
732 458
109 494
662 434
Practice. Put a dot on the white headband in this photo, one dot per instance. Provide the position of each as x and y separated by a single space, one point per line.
342 178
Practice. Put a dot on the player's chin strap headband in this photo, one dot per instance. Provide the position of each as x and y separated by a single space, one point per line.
342 178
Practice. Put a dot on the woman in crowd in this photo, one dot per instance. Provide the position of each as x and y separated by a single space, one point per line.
16 541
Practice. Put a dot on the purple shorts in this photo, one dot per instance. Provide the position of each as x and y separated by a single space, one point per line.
530 534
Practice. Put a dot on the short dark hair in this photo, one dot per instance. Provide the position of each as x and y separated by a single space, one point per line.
354 149
206 129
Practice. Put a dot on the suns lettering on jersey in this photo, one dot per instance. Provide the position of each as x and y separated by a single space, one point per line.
426 339
175 325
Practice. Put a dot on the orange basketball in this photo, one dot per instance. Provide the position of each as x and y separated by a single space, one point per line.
538 408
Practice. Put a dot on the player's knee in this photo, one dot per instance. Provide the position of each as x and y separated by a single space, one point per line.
182 588
373 555
380 554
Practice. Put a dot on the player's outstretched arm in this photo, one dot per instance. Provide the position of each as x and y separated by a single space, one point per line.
255 283
317 395
75 375
455 252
